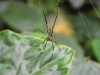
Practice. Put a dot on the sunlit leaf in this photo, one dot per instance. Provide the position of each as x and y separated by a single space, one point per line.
16 54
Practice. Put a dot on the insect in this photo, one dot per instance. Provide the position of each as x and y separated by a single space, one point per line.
49 36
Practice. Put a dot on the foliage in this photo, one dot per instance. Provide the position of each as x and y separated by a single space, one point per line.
96 48
16 54
19 16
26 16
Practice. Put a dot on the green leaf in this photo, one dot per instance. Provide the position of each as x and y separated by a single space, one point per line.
96 48
16 56
19 16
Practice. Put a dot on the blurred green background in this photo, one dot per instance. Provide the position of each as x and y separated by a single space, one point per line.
77 26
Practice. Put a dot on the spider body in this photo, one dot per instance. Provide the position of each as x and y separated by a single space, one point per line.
49 32
49 36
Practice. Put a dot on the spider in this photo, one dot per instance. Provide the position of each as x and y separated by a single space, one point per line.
49 36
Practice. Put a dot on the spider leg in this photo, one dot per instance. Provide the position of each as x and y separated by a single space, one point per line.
41 51
42 31
52 51
54 22
40 43
56 44
45 21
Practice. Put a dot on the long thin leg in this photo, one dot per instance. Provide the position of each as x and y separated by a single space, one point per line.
45 45
42 31
52 51
45 21
41 51
56 44
54 22
40 43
